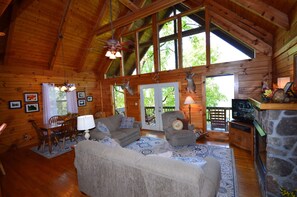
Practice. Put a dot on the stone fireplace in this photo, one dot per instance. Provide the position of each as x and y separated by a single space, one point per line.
279 168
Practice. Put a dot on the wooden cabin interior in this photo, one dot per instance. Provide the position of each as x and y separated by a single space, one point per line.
50 41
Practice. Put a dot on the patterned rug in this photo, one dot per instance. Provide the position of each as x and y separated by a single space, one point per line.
56 150
228 185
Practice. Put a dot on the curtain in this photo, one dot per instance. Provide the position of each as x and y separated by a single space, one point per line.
71 102
49 101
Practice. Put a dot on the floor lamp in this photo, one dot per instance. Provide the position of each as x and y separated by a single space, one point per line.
189 100
85 123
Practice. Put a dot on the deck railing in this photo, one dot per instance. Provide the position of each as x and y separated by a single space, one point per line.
228 111
150 113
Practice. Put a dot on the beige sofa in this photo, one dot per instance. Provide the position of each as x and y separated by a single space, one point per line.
107 171
124 136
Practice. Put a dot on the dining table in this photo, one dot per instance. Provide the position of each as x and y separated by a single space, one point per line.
51 128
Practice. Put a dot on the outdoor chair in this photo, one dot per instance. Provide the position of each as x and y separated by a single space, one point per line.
218 119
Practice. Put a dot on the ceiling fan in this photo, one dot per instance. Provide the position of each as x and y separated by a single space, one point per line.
114 47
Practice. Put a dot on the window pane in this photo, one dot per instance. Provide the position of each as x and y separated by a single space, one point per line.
168 45
168 55
61 100
167 29
222 51
129 54
146 51
194 45
114 68
194 50
119 100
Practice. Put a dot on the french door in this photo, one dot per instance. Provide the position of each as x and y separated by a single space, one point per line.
156 99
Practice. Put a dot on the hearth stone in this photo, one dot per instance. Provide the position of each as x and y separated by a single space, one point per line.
272 183
280 167
280 127
287 126
274 141
289 143
275 150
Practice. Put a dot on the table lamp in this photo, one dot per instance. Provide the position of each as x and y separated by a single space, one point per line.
189 100
85 123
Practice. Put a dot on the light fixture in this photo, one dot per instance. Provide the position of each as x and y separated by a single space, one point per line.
282 81
66 87
189 100
85 123
114 46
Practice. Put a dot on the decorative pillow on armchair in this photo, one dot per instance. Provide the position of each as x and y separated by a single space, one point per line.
127 122
185 123
177 125
103 128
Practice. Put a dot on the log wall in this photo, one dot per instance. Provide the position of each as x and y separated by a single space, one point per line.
14 83
248 74
285 48
13 86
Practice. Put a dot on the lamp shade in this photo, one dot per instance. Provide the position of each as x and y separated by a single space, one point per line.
189 100
85 122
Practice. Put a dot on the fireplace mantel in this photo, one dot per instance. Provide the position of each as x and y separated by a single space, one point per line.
273 106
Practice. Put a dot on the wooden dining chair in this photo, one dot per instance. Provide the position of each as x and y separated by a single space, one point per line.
69 130
42 135
55 119
2 128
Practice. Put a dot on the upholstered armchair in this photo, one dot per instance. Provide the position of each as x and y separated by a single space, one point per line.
177 136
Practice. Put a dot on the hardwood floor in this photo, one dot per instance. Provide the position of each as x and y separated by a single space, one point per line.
29 174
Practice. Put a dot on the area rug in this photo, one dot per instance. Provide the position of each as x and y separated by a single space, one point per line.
56 150
228 184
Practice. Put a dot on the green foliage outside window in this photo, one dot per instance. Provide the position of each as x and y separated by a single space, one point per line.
61 102
213 94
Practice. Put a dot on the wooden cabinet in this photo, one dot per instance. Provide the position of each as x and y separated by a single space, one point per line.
242 135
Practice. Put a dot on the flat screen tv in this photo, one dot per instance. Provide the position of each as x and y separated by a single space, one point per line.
242 110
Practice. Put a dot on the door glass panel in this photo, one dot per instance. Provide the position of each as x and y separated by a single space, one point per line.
149 106
168 98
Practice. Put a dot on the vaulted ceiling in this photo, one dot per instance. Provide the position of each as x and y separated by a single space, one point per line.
71 34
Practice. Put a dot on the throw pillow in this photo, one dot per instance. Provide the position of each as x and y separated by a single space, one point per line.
127 122
177 125
185 123
103 128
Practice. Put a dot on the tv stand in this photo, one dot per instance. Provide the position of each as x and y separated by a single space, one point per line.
241 134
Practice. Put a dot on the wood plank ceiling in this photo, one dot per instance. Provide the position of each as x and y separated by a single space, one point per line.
71 34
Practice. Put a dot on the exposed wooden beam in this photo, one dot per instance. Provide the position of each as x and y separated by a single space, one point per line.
59 36
101 7
265 11
3 5
140 13
130 5
241 34
240 21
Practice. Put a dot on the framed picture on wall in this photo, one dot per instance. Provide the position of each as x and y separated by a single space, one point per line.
81 102
81 95
15 104
89 98
32 107
31 97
